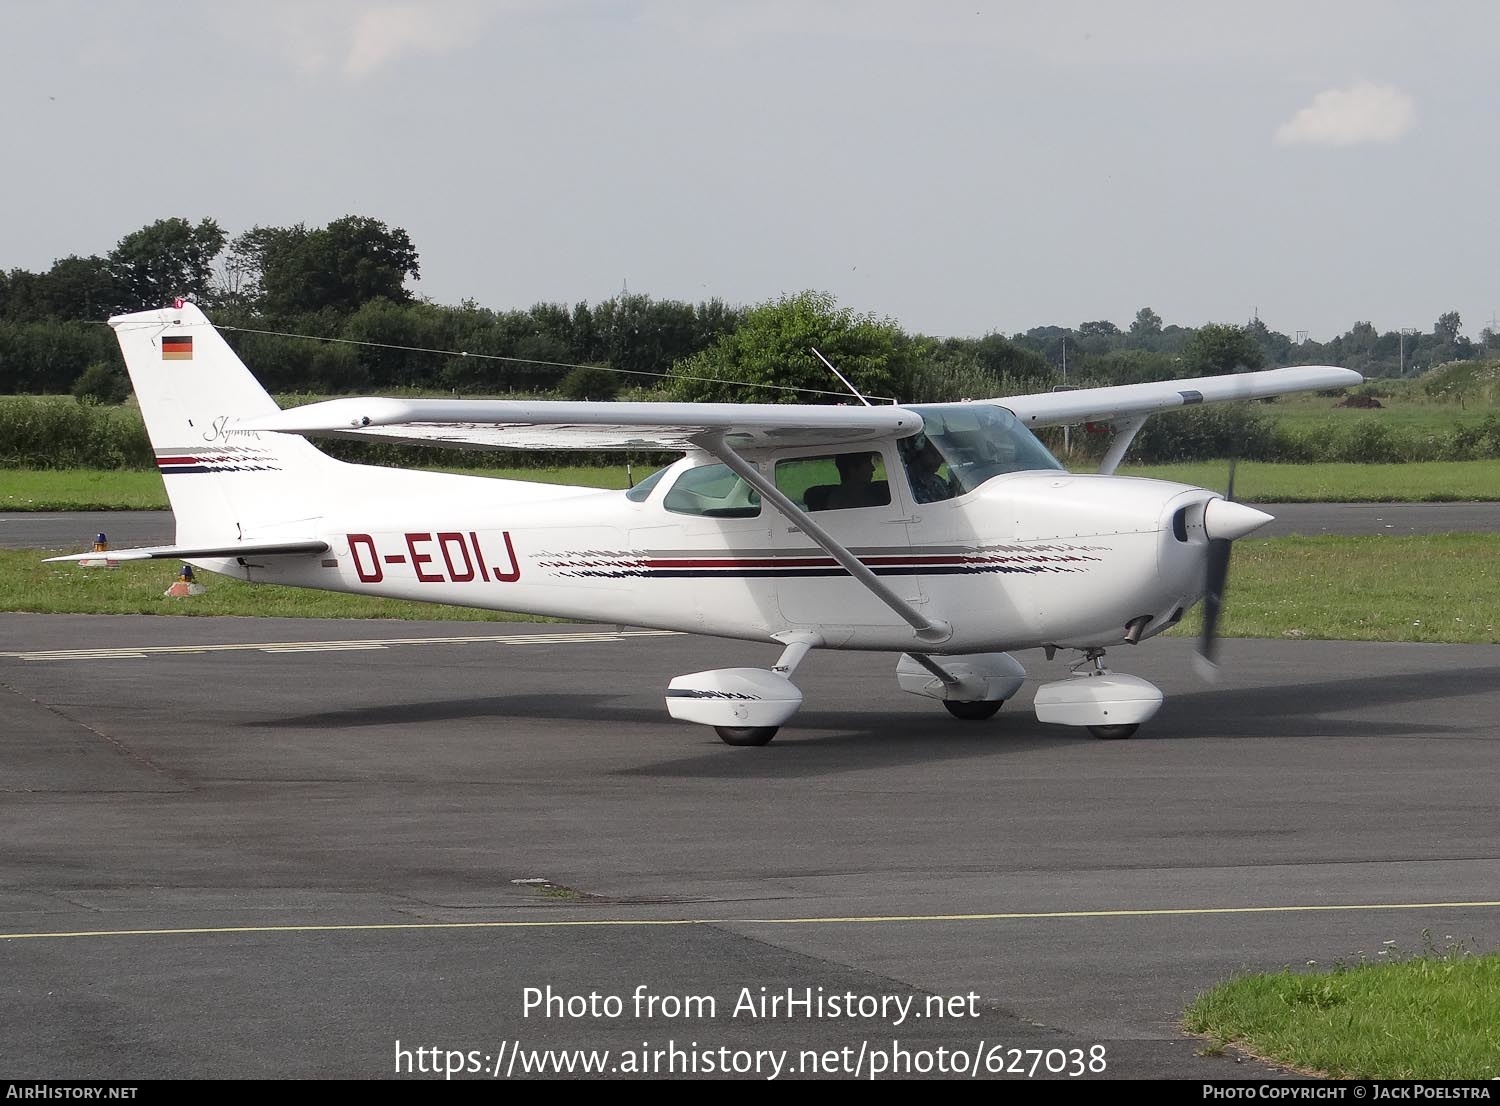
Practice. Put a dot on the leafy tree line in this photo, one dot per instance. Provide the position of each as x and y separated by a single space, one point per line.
40 432
350 281
1099 351
346 281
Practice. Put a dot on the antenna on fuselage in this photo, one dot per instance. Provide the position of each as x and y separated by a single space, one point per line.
842 380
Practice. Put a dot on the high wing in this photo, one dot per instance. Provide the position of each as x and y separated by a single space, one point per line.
1130 400
551 424
544 424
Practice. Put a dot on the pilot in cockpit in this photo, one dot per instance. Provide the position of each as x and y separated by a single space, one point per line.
922 464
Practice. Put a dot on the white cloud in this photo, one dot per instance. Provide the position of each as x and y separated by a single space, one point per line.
359 39
1359 115
384 33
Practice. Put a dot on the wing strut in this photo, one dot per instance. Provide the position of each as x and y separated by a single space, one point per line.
929 630
1125 432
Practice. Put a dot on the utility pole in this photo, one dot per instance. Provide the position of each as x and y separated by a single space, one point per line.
1401 349
1067 436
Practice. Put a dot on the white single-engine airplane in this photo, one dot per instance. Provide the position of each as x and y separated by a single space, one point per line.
946 533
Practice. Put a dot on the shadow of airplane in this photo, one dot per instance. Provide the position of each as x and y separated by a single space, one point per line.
827 741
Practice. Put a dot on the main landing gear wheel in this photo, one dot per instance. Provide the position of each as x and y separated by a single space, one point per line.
1113 733
975 711
746 735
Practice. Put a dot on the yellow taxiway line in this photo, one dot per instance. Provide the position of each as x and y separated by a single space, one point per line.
873 919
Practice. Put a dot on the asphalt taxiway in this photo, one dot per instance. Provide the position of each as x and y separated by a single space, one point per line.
287 848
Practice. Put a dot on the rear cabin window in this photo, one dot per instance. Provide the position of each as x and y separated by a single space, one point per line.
835 481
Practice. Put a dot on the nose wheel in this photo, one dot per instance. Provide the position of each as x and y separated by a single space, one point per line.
1110 705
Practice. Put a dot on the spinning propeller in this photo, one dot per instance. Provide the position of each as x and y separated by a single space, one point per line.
1224 520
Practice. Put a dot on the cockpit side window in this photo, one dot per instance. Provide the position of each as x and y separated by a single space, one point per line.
973 442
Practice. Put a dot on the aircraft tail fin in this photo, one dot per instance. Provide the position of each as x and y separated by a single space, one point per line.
224 485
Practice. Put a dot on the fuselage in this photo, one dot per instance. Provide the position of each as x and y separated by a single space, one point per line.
1023 559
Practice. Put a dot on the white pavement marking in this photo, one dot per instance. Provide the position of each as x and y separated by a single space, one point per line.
138 652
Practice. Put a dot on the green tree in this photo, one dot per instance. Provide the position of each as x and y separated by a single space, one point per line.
1130 366
1058 344
74 288
641 335
46 356
714 319
1099 336
342 266
165 260
949 369
102 383
1447 344
1276 346
393 339
773 348
1011 365
1360 338
590 382
20 293
81 288
1219 348
1146 329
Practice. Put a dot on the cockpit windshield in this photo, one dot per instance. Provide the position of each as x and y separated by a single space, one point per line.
976 441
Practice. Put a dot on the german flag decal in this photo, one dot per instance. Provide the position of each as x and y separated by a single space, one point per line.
177 348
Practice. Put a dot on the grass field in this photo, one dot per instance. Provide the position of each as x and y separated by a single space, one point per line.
1417 482
1429 481
136 587
1434 1015
1438 587
1407 409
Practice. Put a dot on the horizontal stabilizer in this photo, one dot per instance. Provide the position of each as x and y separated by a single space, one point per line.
188 552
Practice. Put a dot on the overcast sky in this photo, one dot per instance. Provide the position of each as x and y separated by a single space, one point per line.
960 167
